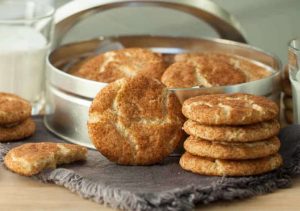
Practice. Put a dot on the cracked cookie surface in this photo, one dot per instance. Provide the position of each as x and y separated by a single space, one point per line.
135 121
114 65
230 109
210 70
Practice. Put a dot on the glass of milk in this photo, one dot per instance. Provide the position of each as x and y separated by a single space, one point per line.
25 37
294 73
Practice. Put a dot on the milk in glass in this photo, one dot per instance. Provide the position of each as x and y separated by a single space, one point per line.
294 73
22 61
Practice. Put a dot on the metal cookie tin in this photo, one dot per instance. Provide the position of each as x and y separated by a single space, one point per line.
68 97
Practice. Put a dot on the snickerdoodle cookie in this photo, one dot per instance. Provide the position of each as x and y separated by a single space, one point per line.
286 87
13 109
232 151
135 121
32 158
244 133
285 73
289 116
17 132
251 71
288 102
202 71
123 63
229 109
218 167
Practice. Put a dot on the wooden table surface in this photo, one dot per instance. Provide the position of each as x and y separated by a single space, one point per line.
22 193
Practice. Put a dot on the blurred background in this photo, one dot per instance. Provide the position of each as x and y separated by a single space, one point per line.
268 24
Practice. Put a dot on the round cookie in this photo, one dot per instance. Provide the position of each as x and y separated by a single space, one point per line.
286 86
13 109
289 116
244 133
201 71
168 59
285 73
75 66
123 63
288 102
250 70
231 151
180 75
135 121
20 131
229 109
217 167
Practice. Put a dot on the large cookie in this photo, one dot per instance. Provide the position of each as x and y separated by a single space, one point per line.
17 132
244 133
31 158
287 87
285 73
135 121
118 64
231 151
13 109
217 167
251 70
202 71
229 109
288 102
289 116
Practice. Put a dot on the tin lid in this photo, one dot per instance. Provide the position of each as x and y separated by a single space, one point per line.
219 19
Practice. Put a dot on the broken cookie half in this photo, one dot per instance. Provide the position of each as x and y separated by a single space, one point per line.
31 158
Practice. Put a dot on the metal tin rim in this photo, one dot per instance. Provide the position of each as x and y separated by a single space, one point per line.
219 19
86 88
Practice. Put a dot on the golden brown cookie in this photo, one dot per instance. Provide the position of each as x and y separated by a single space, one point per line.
123 63
244 133
135 121
231 151
217 167
75 67
285 73
229 109
289 116
201 71
13 109
288 102
32 158
250 70
168 59
287 87
17 132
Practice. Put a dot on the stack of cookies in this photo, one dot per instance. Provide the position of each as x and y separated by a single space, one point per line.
15 118
231 135
287 96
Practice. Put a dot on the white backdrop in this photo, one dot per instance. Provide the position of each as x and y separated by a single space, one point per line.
268 24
